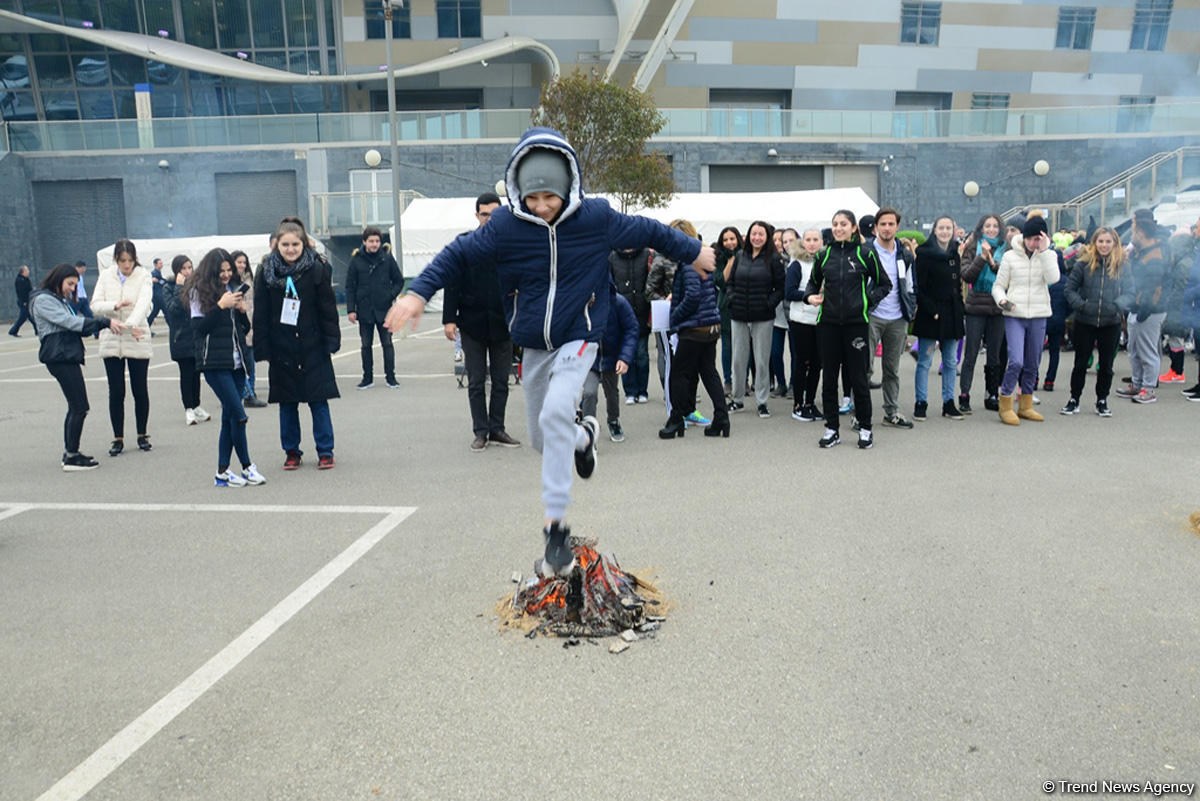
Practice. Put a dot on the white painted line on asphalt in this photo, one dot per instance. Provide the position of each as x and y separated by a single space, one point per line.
84 506
93 770
15 510
23 367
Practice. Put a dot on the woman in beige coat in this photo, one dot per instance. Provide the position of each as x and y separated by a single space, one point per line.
1022 292
124 292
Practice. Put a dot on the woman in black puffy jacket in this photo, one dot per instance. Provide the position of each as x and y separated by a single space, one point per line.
219 326
754 285
1100 292
846 282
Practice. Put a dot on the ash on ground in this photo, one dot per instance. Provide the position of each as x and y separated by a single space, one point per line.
596 599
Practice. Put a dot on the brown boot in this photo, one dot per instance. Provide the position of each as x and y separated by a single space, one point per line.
1006 411
1025 409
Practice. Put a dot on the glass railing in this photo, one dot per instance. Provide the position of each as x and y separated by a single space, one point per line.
338 212
508 124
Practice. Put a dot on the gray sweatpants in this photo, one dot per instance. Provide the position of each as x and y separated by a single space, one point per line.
1145 356
553 383
745 336
894 335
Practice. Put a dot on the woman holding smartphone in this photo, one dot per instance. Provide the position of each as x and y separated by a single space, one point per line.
219 326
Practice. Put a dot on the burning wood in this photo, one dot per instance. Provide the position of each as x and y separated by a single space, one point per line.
596 599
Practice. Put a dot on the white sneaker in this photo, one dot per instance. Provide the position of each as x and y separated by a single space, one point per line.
1036 400
190 414
252 476
228 479
630 400
201 415
458 356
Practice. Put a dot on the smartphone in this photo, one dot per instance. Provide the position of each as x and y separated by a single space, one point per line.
244 290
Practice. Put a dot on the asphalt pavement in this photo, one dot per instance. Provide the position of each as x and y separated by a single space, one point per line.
965 611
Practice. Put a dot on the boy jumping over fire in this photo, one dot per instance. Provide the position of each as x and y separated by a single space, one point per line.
550 247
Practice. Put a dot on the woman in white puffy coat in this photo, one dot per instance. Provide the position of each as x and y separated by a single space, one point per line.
124 292
1022 292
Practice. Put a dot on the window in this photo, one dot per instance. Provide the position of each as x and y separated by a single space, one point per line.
1135 113
920 114
920 23
993 113
1150 21
1075 26
459 19
401 22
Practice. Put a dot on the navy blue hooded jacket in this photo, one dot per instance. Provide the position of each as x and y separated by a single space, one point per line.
554 277
693 300
620 335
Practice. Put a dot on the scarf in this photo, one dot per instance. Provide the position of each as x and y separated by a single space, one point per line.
987 276
277 271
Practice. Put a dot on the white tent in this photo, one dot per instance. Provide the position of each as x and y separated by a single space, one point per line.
431 223
194 247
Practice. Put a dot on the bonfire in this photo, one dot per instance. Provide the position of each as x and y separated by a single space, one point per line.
596 599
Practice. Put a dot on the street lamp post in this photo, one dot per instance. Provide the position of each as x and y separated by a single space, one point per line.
397 239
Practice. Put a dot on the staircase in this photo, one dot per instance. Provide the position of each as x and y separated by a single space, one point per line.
1143 185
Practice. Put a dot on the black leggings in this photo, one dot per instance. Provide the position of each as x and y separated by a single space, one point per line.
114 367
806 363
844 349
189 383
1103 338
695 362
70 379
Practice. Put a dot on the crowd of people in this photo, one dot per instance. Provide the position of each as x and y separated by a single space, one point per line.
576 291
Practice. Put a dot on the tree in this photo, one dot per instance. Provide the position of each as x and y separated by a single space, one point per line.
609 124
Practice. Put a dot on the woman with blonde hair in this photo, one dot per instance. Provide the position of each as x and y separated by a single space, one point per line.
658 287
1099 291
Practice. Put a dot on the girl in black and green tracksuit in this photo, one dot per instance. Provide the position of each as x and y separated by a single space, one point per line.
846 283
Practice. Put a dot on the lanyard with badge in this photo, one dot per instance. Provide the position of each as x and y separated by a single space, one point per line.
291 304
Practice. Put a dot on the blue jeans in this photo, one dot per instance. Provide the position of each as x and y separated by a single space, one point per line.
227 386
289 427
925 349
248 391
637 380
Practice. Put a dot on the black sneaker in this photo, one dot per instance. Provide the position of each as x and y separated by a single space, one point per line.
393 383
559 558
865 439
254 402
78 462
964 404
143 442
763 411
897 420
585 460
920 408
615 432
1190 391
1102 408
830 439
991 403
117 446
366 383
951 411
736 406
1192 397
1072 406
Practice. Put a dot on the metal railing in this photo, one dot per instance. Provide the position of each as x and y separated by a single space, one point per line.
508 124
1137 186
332 213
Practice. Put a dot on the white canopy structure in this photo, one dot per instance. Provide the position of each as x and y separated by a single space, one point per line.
194 247
431 223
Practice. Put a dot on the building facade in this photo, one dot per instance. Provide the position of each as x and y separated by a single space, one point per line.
752 54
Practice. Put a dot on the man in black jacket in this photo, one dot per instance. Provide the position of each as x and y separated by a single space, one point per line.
24 286
629 271
373 281
473 308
